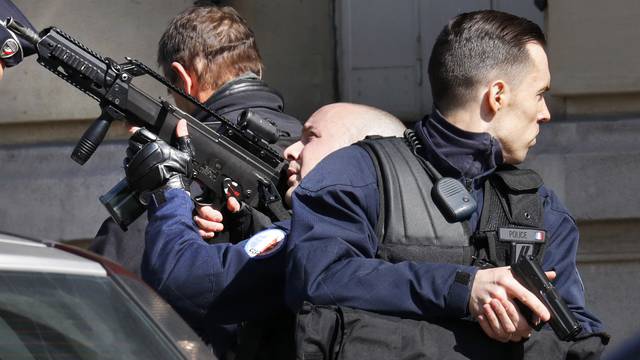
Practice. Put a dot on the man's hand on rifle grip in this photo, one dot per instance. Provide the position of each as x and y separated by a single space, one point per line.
151 163
210 220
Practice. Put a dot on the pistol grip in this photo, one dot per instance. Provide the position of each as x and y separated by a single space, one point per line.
528 314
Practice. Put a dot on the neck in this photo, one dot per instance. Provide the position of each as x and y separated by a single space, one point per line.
457 152
204 95
468 119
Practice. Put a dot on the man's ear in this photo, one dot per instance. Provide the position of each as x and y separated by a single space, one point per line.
187 82
498 95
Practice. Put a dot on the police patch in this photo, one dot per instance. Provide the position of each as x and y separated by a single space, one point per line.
521 235
264 243
9 48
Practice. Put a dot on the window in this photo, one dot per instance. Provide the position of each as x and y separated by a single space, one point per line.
57 316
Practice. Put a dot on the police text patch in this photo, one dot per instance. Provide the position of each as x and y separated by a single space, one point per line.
521 235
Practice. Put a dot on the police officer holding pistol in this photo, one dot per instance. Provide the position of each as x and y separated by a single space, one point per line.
382 268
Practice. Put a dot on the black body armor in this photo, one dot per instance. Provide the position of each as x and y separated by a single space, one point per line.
410 227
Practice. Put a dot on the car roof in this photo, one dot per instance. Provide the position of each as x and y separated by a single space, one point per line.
20 254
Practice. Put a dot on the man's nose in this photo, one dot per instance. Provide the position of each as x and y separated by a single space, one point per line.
292 152
545 115
544 118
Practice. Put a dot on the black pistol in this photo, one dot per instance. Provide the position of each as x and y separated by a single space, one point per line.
529 273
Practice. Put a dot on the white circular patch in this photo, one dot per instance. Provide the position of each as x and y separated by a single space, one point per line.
9 48
264 243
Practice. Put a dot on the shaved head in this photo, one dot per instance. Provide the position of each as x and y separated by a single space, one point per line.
354 122
333 127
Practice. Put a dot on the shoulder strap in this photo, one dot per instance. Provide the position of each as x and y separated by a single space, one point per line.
366 144
393 162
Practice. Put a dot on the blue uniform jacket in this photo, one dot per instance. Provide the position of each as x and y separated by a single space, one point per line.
331 257
211 283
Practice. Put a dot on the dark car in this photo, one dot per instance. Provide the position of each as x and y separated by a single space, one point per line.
61 302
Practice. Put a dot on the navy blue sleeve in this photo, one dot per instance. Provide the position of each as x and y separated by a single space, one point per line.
332 248
560 256
9 9
227 283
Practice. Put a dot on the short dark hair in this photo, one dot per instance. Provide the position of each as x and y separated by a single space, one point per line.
472 46
215 43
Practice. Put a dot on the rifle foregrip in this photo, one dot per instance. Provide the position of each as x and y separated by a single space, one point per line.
91 139
530 274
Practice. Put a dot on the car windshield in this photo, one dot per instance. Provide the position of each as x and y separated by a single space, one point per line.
59 316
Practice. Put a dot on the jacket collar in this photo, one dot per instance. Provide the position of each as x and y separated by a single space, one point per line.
245 91
456 152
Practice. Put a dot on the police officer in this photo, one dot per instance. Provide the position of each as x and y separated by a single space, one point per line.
215 284
488 73
13 49
210 53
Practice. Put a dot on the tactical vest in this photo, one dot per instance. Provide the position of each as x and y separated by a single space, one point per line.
410 227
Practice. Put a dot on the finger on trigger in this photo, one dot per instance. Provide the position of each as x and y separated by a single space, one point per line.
233 205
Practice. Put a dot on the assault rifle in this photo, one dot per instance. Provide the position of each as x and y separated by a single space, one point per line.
231 158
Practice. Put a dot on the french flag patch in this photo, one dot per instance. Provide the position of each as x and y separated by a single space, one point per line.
264 243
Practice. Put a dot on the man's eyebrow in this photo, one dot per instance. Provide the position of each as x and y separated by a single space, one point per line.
544 89
308 128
